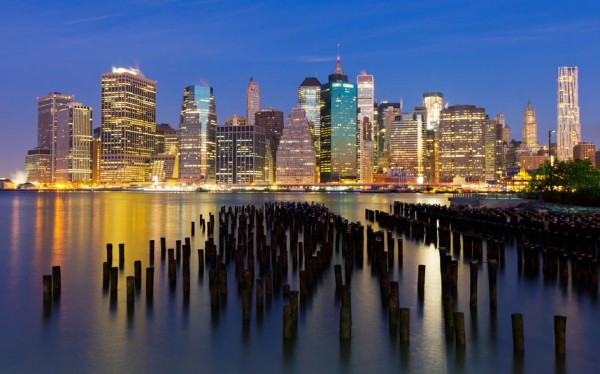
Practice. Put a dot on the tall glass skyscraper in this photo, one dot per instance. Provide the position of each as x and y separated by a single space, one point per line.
338 128
48 108
433 103
252 101
74 144
530 128
128 125
569 127
366 108
197 129
309 99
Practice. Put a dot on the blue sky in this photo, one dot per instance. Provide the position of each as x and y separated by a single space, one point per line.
494 54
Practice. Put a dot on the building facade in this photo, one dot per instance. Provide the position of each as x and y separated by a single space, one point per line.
433 102
407 135
530 128
462 143
252 100
128 125
296 155
585 151
48 108
386 113
272 121
569 127
338 128
240 154
38 166
309 99
197 135
74 144
365 91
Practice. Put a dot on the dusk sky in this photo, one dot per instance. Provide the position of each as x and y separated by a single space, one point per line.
495 55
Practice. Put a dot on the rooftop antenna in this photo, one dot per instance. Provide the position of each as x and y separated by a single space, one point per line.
338 51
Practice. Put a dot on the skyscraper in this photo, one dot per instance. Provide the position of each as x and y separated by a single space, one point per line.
407 133
365 86
74 144
272 121
197 131
48 108
309 99
296 156
462 143
128 125
530 128
240 153
252 101
569 127
585 151
338 128
433 103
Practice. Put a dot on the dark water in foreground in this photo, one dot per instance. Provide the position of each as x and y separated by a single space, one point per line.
85 333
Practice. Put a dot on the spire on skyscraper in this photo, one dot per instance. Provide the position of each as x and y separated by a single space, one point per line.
338 73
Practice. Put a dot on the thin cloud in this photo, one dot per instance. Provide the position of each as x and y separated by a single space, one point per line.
314 58
91 19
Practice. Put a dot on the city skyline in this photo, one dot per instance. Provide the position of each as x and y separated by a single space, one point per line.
468 74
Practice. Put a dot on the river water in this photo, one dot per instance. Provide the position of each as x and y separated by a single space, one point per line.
85 332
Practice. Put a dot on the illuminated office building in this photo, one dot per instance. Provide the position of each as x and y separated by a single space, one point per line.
252 101
197 131
128 125
462 143
386 113
493 149
38 165
309 99
296 156
74 144
272 121
530 128
240 153
365 90
167 139
569 127
433 102
585 151
406 138
338 128
48 108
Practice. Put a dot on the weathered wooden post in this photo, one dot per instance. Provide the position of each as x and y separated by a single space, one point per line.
130 288
346 315
163 247
151 252
288 322
394 304
193 228
421 280
404 325
47 282
114 279
294 305
448 302
400 252
492 266
56 282
517 330
121 254
338 276
259 294
246 304
560 326
149 283
137 265
200 262
474 276
105 275
109 253
459 324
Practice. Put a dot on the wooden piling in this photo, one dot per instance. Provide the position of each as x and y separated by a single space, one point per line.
149 283
448 303
492 266
200 262
560 326
105 275
109 253
259 293
193 226
151 252
246 304
474 276
517 330
47 282
114 279
121 254
404 325
137 265
56 282
421 280
400 252
163 248
288 322
394 304
459 324
130 289
345 322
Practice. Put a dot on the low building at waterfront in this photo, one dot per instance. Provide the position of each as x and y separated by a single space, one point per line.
296 155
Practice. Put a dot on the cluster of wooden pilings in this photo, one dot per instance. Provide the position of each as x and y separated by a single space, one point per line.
260 244
52 287
480 236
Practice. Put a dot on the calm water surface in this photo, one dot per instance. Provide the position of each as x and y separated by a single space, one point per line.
85 332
